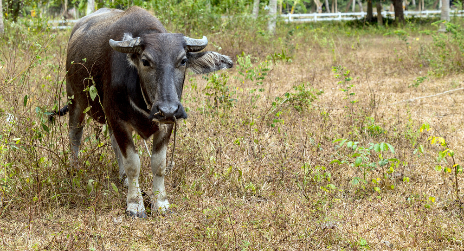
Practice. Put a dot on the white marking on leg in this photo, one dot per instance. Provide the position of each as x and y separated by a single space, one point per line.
134 196
117 152
75 135
158 167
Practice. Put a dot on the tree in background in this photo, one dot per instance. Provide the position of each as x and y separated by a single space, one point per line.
90 6
360 6
13 8
272 16
398 7
370 12
318 6
327 6
379 13
334 6
444 14
255 8
1 17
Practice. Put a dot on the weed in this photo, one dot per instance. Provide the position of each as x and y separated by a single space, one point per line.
417 82
218 90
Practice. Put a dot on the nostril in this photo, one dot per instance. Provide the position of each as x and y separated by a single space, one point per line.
168 110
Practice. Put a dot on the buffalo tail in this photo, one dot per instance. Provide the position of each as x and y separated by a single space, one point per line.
60 112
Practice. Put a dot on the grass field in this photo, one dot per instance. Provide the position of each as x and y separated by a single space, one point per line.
260 162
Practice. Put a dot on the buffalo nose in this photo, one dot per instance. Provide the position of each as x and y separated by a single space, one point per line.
168 110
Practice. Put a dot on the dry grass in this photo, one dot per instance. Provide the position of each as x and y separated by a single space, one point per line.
238 182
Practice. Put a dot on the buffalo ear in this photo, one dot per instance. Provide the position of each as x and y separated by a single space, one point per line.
209 61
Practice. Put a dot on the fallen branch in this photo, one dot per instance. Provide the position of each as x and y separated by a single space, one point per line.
430 96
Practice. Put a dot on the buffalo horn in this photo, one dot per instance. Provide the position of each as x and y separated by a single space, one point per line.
126 46
194 45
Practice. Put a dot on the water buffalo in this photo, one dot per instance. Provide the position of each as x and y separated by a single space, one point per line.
136 70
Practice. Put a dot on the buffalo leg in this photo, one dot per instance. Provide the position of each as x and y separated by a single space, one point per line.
131 163
76 127
158 167
117 152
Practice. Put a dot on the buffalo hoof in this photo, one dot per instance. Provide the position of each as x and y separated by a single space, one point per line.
138 214
161 207
165 212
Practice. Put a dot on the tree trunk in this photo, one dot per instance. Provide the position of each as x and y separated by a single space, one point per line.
353 6
399 14
379 13
413 2
255 8
405 4
370 14
360 6
444 14
65 9
327 6
1 18
318 6
272 16
90 6
348 6
14 6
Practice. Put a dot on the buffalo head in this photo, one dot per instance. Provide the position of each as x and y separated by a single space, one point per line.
161 60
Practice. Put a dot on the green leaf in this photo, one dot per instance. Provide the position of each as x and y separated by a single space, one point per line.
377 147
331 186
93 92
358 161
392 149
25 100
239 174
363 242
421 149
337 140
336 161
343 142
459 168
383 146
441 155
115 188
377 189
349 144
438 168
45 127
90 185
383 162
87 109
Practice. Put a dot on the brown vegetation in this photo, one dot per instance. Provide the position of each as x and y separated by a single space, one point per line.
249 174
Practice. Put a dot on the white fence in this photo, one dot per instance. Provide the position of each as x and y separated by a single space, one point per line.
62 24
316 17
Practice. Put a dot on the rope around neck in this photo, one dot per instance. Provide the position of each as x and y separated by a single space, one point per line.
171 164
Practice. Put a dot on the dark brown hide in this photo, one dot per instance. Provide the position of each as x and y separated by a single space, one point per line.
138 70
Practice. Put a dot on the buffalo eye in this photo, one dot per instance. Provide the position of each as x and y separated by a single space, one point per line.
183 62
145 62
